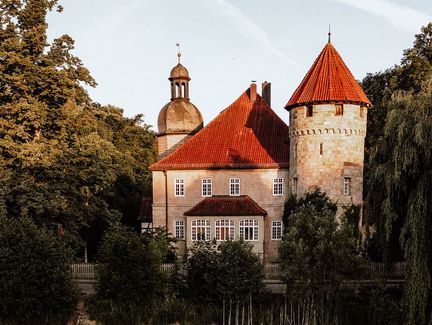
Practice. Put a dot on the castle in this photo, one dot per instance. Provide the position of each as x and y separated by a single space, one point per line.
231 178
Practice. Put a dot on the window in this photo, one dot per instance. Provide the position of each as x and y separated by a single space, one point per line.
179 229
347 186
200 230
294 186
277 186
276 230
249 230
224 229
362 109
206 187
339 109
234 186
295 151
321 149
179 187
309 111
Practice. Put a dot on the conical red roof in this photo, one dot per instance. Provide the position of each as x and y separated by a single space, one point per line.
328 80
247 134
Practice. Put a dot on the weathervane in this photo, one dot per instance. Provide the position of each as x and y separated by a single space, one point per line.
179 53
329 35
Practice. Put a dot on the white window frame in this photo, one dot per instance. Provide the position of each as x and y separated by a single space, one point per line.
179 229
179 187
232 186
277 230
200 226
224 229
206 187
347 186
278 185
249 230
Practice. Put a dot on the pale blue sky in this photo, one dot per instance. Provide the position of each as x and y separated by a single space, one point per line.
129 45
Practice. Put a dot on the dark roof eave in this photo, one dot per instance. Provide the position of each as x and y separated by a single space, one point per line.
217 166
288 107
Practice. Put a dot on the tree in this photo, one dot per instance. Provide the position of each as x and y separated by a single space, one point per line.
316 253
35 276
227 274
64 158
130 277
401 193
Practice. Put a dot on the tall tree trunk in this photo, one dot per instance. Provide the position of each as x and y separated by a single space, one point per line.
237 313
243 313
229 314
223 310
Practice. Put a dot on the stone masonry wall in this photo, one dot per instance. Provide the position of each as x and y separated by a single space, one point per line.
325 148
257 183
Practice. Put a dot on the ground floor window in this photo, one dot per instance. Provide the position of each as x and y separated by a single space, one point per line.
200 230
277 230
179 229
224 229
249 230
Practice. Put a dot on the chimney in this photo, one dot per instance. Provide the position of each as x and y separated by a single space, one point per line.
253 91
266 92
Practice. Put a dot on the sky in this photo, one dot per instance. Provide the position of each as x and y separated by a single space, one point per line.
129 46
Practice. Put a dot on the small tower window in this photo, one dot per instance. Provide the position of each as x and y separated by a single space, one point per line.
321 149
309 111
339 110
347 186
294 186
362 111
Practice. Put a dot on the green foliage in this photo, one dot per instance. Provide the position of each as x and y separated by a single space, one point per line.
403 159
129 267
64 159
230 272
316 198
35 275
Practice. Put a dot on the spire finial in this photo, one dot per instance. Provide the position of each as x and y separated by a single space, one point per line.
329 34
179 53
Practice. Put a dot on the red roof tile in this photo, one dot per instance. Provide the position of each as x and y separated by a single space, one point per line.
224 205
328 80
247 134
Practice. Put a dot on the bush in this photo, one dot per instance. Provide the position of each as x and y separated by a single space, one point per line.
35 275
130 277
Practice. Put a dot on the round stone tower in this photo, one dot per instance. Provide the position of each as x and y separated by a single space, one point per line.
328 114
179 119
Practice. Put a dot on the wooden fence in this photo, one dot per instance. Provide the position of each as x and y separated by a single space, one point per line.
83 271
372 271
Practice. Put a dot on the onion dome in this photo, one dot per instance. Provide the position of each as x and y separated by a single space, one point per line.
179 72
179 116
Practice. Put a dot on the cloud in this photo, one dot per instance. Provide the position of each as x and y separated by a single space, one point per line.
246 27
399 16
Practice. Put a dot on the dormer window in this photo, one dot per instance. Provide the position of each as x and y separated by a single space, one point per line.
339 110
309 111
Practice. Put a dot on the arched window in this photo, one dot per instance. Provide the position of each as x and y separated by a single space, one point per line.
249 230
179 93
184 89
200 230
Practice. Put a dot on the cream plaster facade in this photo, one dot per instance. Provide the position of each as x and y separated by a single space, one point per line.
256 183
326 149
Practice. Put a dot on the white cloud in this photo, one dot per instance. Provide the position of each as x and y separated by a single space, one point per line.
399 16
246 27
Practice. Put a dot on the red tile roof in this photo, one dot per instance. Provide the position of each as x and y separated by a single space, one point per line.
328 80
224 205
247 134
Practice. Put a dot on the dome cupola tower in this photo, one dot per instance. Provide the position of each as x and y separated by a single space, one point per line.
179 119
328 114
